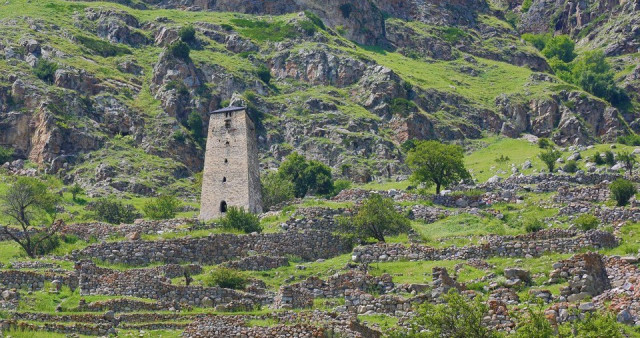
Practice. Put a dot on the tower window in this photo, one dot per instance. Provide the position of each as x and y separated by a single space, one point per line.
227 143
223 207
224 179
227 123
226 161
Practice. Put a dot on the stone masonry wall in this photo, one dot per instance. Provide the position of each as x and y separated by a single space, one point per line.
497 247
215 249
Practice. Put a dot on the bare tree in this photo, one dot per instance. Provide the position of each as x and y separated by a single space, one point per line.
31 206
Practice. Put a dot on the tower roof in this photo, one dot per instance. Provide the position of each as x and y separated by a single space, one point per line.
228 110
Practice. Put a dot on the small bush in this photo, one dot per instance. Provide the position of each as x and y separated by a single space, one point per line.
239 219
163 207
526 5
533 225
597 159
45 70
102 47
6 155
630 140
76 190
340 185
315 19
587 222
115 212
187 34
544 143
264 74
622 191
609 158
502 159
226 278
180 50
549 158
70 238
570 167
402 106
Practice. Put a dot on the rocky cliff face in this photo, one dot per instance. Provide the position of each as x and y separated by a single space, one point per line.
348 81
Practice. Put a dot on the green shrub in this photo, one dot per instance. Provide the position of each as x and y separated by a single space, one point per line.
533 225
180 50
6 155
630 140
76 190
307 176
187 34
587 222
112 211
195 125
502 159
537 40
163 207
597 158
239 219
315 19
544 143
377 218
534 324
70 238
346 10
560 47
264 74
226 278
549 158
526 5
276 190
402 106
622 191
457 317
453 34
102 47
609 158
593 325
265 31
570 167
340 185
45 70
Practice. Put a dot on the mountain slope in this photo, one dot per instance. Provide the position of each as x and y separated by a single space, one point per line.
347 84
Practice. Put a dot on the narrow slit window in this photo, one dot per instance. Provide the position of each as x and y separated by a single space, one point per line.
224 179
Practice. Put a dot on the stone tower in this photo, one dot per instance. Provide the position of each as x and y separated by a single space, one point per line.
231 175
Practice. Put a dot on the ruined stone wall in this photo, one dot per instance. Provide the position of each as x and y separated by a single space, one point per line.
214 249
231 170
496 247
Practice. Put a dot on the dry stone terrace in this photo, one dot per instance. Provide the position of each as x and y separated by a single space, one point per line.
147 289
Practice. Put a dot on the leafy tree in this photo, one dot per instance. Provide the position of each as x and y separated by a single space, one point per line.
561 47
31 207
6 154
306 175
549 158
239 219
163 207
187 34
457 317
593 73
76 190
622 190
436 163
376 218
264 74
226 278
45 70
276 189
629 160
113 211
180 50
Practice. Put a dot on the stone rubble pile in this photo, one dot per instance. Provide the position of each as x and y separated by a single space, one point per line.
585 273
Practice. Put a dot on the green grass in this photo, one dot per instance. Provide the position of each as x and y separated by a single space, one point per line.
419 272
